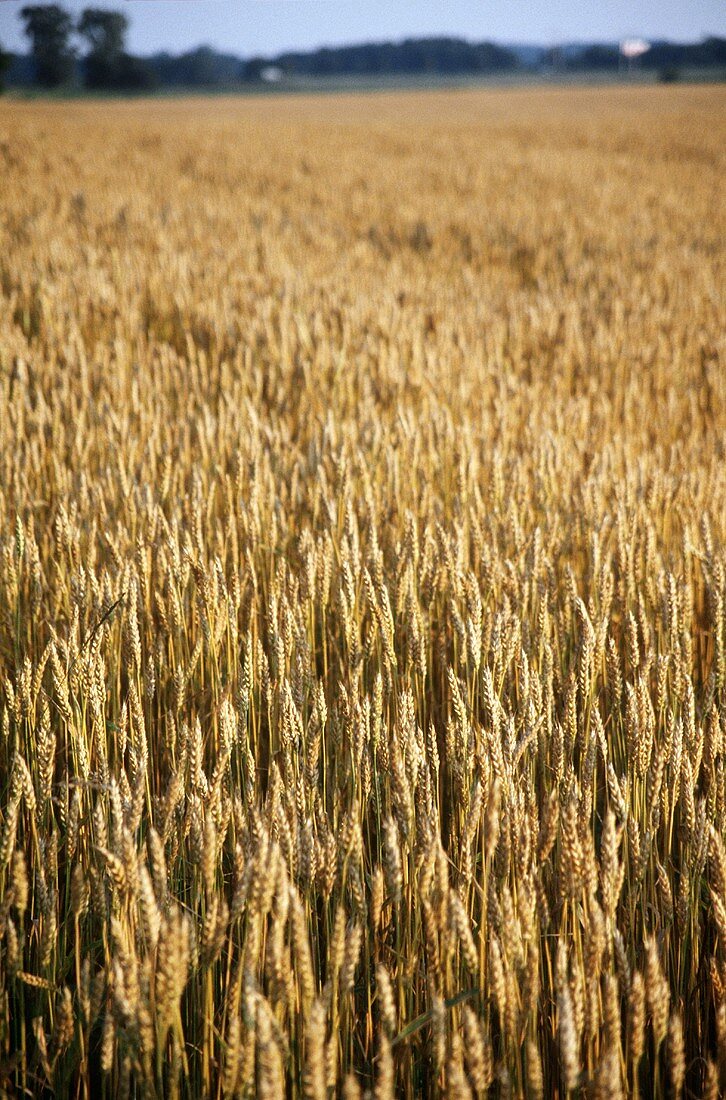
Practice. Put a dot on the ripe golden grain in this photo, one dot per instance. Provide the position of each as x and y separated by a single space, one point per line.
362 595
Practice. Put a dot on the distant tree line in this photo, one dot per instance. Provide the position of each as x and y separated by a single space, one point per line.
414 56
92 52
202 67
661 56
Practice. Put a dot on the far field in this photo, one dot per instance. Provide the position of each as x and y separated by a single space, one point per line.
363 595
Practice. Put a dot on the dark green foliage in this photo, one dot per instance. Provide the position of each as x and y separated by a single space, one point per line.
202 67
598 57
711 51
135 74
414 56
4 66
105 33
49 28
107 65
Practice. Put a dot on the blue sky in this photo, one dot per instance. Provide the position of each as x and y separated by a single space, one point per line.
267 26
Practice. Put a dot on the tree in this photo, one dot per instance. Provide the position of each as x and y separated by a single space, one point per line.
136 75
4 66
107 65
49 26
105 33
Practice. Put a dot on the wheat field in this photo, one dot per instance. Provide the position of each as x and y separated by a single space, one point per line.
363 596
